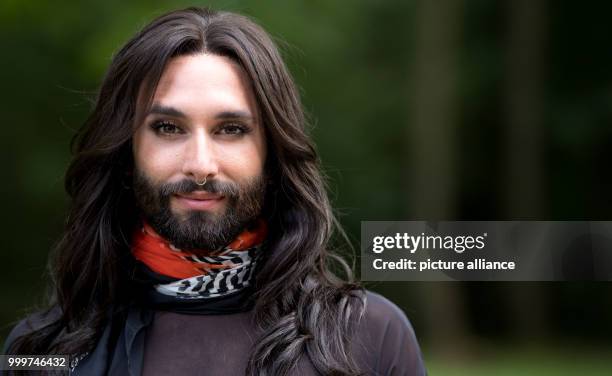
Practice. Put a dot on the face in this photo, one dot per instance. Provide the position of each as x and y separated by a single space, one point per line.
203 125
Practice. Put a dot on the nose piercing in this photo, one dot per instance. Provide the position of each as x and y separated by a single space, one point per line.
202 183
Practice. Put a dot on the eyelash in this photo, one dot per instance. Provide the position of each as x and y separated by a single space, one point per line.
243 129
159 125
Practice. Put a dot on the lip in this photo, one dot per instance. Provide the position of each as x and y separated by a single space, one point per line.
199 200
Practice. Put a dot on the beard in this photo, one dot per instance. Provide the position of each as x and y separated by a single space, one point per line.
198 230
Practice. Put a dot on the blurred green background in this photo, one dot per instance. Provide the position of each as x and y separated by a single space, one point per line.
440 109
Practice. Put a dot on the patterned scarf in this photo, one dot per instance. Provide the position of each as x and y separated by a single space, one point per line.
222 273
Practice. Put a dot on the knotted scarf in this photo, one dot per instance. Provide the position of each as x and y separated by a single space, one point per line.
188 275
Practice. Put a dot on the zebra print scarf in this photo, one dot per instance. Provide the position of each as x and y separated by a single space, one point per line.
191 276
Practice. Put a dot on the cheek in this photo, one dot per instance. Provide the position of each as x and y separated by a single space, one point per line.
157 162
246 161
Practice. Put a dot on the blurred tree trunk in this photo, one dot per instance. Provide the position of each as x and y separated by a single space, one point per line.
524 148
432 155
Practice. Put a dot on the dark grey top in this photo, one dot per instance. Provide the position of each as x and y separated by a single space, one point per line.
181 344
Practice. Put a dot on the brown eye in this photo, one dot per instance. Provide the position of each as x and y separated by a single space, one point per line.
233 129
166 128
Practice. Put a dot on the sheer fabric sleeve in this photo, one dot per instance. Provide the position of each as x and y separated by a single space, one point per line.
387 343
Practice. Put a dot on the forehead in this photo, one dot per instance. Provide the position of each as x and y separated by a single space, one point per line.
204 83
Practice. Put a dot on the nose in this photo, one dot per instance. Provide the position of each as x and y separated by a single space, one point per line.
200 160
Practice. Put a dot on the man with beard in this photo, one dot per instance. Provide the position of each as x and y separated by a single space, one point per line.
196 240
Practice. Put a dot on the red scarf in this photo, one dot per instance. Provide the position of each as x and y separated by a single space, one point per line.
163 258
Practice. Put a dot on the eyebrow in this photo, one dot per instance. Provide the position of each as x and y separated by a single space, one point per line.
159 109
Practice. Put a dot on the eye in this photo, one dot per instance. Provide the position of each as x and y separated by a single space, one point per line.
233 129
166 128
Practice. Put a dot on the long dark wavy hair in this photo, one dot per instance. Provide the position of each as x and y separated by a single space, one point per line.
301 304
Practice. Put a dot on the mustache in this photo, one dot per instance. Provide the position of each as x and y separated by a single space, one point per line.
188 186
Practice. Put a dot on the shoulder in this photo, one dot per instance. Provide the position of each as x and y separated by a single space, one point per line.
385 321
386 339
380 311
29 324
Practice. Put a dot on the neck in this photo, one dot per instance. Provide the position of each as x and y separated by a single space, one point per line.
159 255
